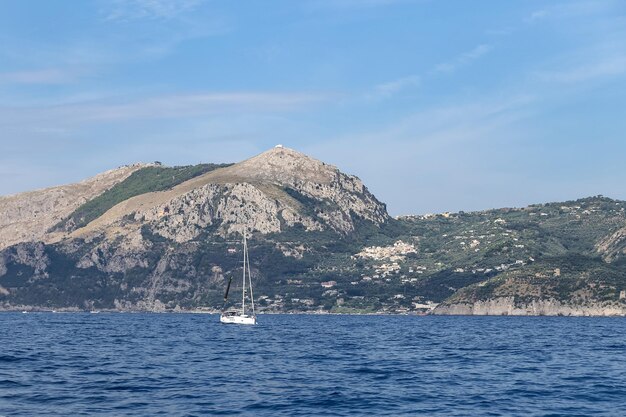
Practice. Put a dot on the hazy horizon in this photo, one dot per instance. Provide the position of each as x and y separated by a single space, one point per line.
435 106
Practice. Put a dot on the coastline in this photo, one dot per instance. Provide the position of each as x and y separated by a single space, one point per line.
508 306
501 308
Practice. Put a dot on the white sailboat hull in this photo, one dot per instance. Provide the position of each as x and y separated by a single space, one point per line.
237 319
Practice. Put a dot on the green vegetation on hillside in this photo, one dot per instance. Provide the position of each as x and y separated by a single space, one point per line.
575 279
544 251
145 180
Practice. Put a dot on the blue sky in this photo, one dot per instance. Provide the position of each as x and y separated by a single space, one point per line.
435 105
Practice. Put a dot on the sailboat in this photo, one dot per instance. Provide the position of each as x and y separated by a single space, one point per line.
240 316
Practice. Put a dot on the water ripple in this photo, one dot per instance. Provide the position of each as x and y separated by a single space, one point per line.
155 364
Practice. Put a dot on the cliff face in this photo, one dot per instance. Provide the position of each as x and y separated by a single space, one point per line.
568 285
509 306
343 194
613 247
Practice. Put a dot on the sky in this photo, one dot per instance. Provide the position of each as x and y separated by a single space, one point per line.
436 105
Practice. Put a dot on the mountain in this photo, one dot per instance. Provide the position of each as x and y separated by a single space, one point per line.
157 238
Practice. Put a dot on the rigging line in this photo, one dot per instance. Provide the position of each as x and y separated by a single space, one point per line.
250 280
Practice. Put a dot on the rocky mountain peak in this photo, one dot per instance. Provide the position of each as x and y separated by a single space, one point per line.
267 193
285 166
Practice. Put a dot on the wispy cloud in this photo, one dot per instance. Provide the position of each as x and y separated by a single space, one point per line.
42 76
352 4
393 87
172 106
165 24
463 59
600 57
42 61
450 121
608 67
571 9
126 10
538 15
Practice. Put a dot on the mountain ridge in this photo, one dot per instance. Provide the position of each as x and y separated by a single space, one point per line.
27 216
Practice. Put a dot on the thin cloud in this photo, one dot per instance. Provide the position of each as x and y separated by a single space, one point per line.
538 15
352 4
570 9
43 76
438 122
126 10
610 67
463 59
172 106
46 62
448 124
391 88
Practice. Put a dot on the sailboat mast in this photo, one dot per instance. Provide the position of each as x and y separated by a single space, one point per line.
243 292
250 282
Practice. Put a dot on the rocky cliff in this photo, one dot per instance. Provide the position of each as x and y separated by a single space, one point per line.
509 306
613 247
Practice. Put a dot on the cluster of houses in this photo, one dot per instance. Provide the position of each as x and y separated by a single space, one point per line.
396 252
427 216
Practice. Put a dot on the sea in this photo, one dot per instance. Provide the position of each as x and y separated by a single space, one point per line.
125 364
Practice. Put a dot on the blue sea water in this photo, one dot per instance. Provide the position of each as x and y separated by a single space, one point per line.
113 364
